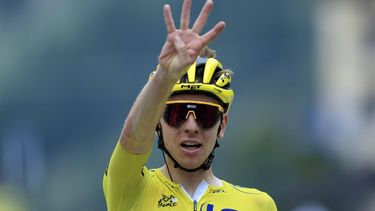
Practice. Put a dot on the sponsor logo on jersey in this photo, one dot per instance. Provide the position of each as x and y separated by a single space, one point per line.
218 191
167 201
211 207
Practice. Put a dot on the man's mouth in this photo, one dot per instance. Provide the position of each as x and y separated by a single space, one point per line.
191 146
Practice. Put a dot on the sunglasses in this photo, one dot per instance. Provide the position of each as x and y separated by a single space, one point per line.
206 114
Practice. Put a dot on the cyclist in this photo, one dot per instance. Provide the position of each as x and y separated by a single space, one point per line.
188 116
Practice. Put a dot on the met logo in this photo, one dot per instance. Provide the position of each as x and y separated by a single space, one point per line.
190 86
210 207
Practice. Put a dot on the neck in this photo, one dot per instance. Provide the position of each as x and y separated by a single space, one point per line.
189 180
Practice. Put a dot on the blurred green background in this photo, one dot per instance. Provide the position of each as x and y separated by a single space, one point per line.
301 126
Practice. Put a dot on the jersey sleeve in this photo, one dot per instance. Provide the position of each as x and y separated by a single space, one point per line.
124 177
271 203
254 198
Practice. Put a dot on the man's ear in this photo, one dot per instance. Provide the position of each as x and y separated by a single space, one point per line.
222 126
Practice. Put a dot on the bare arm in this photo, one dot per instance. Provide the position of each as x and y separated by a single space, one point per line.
179 51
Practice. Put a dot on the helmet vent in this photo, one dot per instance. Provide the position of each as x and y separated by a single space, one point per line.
199 73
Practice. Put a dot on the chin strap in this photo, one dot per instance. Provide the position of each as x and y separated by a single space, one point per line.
205 165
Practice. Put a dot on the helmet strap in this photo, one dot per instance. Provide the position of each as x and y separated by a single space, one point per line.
205 166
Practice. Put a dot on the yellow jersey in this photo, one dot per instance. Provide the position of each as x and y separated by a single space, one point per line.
128 185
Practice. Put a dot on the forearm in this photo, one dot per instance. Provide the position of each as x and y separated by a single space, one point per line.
138 131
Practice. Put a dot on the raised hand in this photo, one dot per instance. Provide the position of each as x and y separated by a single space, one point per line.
183 45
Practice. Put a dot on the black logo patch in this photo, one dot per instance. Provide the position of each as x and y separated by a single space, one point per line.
167 201
218 191
188 86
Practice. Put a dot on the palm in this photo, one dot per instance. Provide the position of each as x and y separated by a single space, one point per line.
183 45
172 59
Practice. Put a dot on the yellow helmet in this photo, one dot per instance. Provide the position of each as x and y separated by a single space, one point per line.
206 76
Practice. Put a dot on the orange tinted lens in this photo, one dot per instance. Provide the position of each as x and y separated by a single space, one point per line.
207 115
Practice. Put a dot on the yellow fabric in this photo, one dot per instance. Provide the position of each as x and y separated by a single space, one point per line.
211 65
128 185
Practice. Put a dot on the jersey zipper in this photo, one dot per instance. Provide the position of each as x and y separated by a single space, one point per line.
195 205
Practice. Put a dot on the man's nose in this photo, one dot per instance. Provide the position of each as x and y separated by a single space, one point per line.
191 124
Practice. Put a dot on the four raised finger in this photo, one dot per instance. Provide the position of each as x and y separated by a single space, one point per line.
197 27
